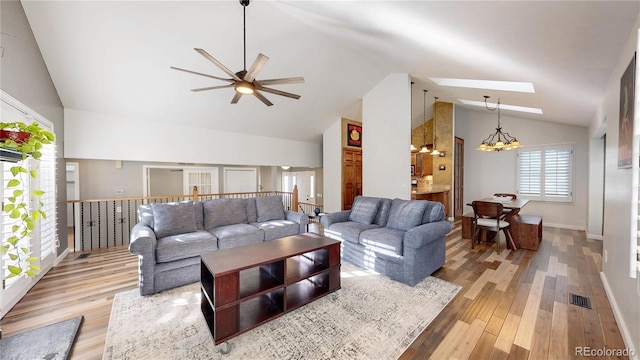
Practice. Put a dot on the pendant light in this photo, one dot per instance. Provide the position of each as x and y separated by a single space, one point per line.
435 138
413 147
499 140
424 149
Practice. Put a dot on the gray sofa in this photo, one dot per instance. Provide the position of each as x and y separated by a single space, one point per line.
402 239
170 237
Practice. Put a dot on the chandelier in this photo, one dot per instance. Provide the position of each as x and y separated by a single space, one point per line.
499 140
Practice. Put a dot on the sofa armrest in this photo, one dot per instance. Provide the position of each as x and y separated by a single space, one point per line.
424 234
143 242
334 217
299 218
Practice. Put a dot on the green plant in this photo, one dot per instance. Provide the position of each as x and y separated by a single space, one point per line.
17 205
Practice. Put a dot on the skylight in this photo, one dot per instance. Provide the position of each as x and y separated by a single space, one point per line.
486 84
503 106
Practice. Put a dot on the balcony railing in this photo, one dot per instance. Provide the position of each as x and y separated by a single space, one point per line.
104 223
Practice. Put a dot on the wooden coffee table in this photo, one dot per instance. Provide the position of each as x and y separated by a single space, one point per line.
247 286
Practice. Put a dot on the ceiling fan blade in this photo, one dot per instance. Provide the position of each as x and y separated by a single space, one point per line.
262 98
291 80
201 74
218 64
212 87
279 92
255 67
236 98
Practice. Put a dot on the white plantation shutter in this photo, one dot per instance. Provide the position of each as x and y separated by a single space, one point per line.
557 176
47 183
545 173
530 173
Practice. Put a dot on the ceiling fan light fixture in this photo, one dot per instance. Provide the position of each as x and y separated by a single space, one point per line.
244 87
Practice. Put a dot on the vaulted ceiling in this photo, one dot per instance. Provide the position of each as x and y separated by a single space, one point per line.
114 57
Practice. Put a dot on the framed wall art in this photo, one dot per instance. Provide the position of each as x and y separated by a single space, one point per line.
354 135
625 128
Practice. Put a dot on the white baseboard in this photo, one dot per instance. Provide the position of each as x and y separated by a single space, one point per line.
563 226
595 237
61 257
626 337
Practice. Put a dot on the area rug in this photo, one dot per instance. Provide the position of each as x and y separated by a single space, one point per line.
370 317
51 342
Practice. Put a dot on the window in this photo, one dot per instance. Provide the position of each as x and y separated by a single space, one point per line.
545 173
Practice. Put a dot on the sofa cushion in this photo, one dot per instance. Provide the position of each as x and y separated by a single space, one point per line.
221 212
230 236
173 218
198 209
252 213
145 215
406 214
270 208
275 229
383 240
348 231
364 209
182 246
433 212
383 212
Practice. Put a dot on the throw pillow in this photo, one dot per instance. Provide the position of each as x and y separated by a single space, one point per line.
364 209
221 212
406 214
270 208
173 219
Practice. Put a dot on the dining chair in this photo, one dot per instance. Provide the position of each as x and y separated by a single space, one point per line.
488 216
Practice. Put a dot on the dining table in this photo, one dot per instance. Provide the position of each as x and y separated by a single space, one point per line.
514 205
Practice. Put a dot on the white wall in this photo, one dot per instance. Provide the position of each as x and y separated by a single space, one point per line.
91 135
386 123
332 166
623 290
486 173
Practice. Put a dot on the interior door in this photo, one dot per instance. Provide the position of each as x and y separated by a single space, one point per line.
206 179
458 178
351 176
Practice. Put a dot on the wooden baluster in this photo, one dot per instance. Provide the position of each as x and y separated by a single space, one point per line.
195 193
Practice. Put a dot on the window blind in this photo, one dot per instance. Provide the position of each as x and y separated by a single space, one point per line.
545 173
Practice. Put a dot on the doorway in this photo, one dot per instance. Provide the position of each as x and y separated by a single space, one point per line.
179 180
73 193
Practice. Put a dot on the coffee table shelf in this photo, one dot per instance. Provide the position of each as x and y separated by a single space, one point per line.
247 286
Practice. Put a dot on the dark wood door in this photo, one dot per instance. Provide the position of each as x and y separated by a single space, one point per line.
351 176
458 178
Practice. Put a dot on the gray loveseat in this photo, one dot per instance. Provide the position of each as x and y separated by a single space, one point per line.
170 237
402 239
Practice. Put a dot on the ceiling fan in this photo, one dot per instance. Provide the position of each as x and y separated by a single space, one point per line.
244 81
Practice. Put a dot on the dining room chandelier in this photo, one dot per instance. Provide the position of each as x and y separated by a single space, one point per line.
499 140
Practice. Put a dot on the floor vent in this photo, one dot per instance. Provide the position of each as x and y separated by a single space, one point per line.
83 256
580 301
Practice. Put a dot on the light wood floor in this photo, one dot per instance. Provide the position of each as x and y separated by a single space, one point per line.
512 305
